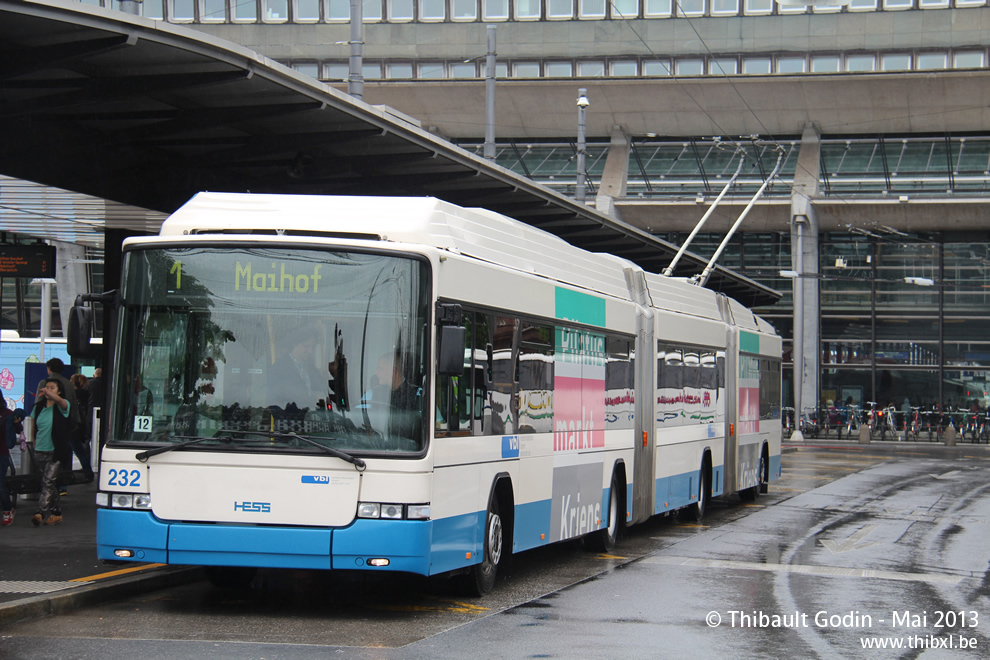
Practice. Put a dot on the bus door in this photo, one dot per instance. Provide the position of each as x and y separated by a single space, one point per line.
731 456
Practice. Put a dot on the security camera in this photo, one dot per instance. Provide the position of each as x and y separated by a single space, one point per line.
583 102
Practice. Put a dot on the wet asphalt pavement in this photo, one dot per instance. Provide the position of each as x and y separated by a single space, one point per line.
855 546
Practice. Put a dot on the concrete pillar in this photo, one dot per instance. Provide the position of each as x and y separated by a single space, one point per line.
70 277
615 174
805 224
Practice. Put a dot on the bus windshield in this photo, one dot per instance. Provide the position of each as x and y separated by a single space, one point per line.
271 349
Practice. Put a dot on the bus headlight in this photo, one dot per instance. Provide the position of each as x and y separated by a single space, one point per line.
418 512
393 511
122 501
141 501
369 510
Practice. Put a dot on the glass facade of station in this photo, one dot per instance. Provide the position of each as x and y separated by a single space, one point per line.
886 335
903 314
883 338
679 168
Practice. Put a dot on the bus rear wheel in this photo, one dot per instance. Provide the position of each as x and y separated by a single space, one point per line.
696 511
750 494
604 539
480 578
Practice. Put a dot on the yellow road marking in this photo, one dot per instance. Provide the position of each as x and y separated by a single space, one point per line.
123 571
441 606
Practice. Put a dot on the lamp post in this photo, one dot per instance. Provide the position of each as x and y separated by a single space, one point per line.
490 96
582 105
355 77
799 221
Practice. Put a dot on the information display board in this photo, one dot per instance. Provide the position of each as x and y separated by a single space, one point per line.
27 261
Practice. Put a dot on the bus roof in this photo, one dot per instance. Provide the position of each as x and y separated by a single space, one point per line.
478 233
474 232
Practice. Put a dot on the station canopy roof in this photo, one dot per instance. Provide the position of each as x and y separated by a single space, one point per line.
146 114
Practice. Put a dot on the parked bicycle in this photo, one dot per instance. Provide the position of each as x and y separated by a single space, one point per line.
932 420
887 422
912 428
872 416
809 422
786 415
852 422
832 420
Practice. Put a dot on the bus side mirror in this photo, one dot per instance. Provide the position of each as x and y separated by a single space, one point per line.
79 332
450 358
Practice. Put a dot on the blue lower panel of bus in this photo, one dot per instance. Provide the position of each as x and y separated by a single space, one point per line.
774 467
236 545
532 525
138 531
405 543
457 541
676 492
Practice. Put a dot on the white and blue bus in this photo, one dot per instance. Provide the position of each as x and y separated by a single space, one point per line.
401 384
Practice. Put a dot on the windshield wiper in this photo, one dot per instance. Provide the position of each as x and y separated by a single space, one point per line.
189 440
354 460
226 435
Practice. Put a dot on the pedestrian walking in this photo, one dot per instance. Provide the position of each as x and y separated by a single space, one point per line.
52 429
12 425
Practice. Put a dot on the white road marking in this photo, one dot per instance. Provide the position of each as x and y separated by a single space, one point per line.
824 571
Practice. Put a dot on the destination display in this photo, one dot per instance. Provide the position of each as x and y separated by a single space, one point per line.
27 261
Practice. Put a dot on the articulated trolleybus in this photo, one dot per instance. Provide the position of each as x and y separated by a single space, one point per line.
401 384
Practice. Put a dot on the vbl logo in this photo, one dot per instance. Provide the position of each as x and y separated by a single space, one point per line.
253 507
510 446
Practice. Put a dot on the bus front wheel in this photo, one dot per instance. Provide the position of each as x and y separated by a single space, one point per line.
480 578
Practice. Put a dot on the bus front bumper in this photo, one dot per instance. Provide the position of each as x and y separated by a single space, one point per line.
389 545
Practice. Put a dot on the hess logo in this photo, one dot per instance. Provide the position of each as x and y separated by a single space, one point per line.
253 507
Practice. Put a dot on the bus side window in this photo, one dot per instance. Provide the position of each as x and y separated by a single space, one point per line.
453 413
535 374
